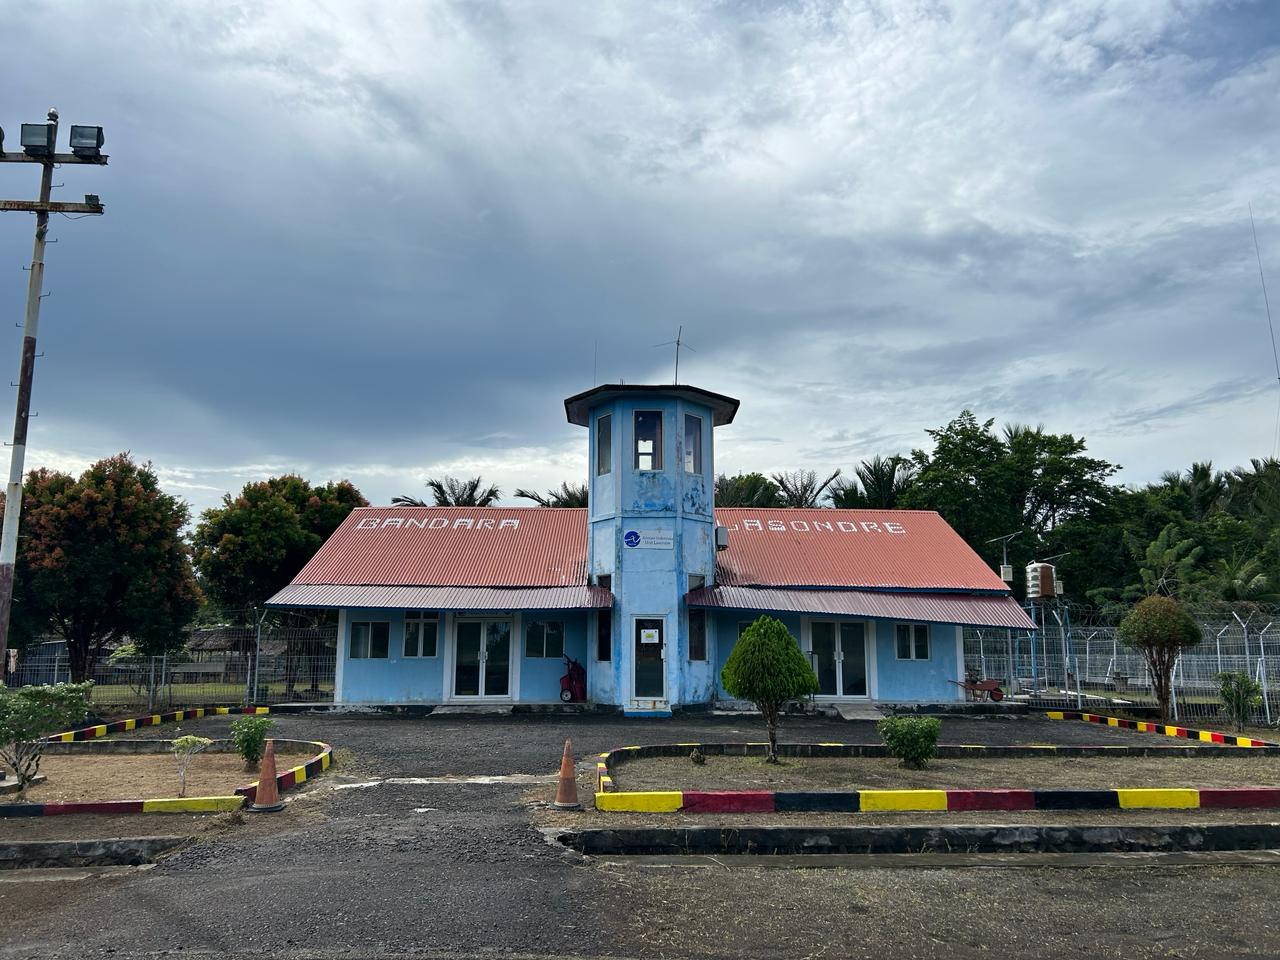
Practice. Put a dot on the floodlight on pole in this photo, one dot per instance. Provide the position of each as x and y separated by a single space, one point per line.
38 139
86 141
39 145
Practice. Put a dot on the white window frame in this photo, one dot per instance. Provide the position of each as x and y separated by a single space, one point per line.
656 457
351 640
915 642
688 451
420 617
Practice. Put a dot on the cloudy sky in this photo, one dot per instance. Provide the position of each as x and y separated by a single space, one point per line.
384 241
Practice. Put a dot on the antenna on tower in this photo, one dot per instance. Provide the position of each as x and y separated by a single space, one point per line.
678 342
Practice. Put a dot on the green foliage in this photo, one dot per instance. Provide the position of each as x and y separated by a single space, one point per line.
29 713
1160 629
1024 479
878 484
1240 694
767 668
1168 562
568 495
185 750
802 488
746 490
253 545
913 740
249 734
101 558
454 492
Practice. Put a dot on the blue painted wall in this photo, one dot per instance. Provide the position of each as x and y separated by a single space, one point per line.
401 679
540 676
651 583
918 680
398 679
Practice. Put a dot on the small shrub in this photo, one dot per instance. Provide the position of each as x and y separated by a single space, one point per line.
1160 629
913 740
249 734
1240 695
29 713
185 750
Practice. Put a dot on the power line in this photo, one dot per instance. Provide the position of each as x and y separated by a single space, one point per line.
1275 354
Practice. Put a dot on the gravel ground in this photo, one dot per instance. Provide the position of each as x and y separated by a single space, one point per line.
459 869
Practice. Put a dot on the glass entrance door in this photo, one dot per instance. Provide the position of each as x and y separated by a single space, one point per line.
853 660
822 650
482 658
650 677
838 653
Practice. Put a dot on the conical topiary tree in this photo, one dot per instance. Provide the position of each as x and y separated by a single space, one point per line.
767 668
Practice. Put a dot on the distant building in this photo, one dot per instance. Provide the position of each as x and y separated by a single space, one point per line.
649 587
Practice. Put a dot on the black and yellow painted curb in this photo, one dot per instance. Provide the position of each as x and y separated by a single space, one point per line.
291 778
1165 729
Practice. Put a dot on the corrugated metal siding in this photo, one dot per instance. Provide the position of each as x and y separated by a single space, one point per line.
444 598
976 611
812 550
548 547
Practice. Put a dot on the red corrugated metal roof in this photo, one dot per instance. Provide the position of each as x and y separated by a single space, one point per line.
903 549
547 547
444 598
977 611
454 547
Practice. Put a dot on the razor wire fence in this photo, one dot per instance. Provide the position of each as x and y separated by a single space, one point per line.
236 666
1077 660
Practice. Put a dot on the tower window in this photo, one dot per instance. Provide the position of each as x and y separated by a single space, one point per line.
648 439
604 445
692 444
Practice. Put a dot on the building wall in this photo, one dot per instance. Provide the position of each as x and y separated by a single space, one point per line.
401 679
651 582
889 679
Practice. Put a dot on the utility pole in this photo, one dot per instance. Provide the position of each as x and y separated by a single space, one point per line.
39 145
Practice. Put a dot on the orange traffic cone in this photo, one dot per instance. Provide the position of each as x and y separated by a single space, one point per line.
567 788
267 797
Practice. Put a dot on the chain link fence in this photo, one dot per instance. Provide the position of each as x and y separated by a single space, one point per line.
1076 660
226 665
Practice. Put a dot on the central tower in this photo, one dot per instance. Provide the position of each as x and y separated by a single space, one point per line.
651 536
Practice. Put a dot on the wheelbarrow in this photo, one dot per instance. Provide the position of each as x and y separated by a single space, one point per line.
980 689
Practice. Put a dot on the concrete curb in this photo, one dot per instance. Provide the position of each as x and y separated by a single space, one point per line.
1168 730
112 852
609 798
151 720
291 778
988 838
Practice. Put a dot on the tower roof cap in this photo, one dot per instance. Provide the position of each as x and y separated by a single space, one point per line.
578 407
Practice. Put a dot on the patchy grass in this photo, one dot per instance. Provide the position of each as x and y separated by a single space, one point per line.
873 773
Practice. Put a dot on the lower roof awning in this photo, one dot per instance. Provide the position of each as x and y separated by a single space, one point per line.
575 597
971 610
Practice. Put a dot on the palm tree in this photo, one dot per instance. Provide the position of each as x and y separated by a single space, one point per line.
453 492
1237 578
746 490
1204 487
879 484
800 488
569 495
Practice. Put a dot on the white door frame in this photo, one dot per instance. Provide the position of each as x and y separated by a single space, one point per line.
657 702
869 646
450 657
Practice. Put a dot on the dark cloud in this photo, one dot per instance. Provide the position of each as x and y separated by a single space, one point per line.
380 240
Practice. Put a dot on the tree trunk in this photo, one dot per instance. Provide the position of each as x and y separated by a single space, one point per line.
1161 662
771 720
